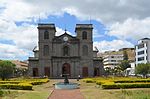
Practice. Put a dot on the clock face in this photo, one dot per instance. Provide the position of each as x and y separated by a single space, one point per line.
65 38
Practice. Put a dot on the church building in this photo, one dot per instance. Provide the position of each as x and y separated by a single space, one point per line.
65 54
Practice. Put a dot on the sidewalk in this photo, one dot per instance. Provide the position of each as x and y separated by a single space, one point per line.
66 94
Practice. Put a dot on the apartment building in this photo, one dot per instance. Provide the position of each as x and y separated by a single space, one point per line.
142 51
112 60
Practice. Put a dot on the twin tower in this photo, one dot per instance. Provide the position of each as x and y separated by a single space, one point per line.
64 54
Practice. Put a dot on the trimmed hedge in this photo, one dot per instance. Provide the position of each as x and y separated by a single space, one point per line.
39 82
132 81
89 80
32 81
21 86
10 82
126 85
104 82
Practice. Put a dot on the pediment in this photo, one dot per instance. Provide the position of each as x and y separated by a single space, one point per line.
65 37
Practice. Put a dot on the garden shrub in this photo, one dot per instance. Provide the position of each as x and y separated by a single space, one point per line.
39 81
103 82
126 85
133 81
1 92
10 82
21 86
32 81
25 84
89 80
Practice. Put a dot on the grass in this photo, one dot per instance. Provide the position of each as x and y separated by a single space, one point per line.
89 90
93 91
38 92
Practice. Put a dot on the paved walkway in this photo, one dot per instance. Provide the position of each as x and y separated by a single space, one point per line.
66 94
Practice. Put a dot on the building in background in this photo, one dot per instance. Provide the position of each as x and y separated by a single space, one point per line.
20 64
21 68
113 58
142 51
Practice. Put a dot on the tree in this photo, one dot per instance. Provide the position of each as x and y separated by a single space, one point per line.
6 69
124 65
143 69
125 55
108 71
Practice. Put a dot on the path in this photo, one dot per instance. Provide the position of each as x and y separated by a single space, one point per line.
66 94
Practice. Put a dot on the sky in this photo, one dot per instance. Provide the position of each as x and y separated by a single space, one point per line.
117 23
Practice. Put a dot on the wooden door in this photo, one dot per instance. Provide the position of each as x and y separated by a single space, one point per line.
47 71
35 72
66 68
85 71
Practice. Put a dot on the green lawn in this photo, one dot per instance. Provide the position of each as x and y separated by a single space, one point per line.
38 92
92 91
89 90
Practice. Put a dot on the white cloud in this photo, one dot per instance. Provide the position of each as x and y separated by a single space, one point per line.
112 45
105 11
60 31
96 34
131 29
12 52
24 36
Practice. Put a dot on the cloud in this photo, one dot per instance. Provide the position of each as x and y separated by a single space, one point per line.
12 52
112 45
131 29
96 34
24 36
60 31
104 11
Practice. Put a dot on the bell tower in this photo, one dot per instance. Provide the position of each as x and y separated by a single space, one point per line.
85 35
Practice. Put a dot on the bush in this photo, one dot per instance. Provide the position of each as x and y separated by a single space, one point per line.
1 92
126 85
21 86
39 82
132 81
10 82
104 82
89 80
32 81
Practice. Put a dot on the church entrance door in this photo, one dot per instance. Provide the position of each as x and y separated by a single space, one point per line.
66 68
35 72
85 71
96 71
47 71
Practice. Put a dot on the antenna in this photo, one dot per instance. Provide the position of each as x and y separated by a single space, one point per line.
65 28
90 19
39 19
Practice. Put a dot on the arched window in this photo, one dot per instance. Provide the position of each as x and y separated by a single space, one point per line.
84 35
66 51
46 35
85 50
46 50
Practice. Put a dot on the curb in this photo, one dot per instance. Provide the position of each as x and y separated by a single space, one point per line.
50 94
